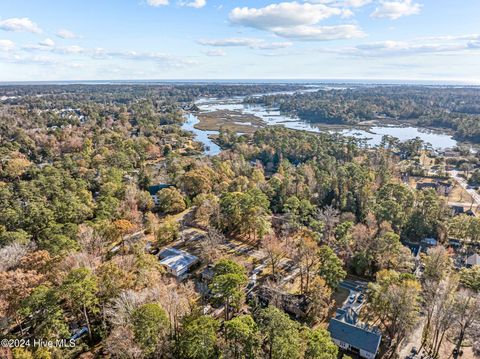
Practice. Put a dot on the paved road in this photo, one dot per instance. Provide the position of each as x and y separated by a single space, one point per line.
463 182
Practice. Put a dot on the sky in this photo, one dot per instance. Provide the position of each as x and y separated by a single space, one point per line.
67 40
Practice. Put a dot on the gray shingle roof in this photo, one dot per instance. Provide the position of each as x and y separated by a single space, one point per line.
473 260
355 336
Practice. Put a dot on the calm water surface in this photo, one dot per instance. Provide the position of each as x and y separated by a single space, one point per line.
272 116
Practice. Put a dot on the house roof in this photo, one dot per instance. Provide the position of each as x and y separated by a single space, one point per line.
421 185
470 213
474 260
414 248
169 252
429 241
347 315
154 189
457 209
177 260
356 336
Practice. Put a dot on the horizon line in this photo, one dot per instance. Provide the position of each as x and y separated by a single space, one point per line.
371 81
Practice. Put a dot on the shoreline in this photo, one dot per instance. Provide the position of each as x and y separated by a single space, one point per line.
237 121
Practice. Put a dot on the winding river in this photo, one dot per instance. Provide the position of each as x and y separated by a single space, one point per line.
271 116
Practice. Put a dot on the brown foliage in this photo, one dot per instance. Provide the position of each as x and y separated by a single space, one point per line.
17 285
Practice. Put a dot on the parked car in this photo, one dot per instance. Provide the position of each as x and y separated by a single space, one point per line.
361 298
352 298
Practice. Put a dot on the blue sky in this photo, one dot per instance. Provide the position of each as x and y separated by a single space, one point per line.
240 39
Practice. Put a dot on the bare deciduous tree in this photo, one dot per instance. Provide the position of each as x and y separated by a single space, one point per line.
10 256
329 216
466 314
275 251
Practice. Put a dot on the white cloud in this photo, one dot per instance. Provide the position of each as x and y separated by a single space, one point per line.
215 53
159 58
24 55
229 42
396 9
296 20
273 45
35 59
246 42
157 3
357 3
474 44
451 37
195 3
418 46
6 45
321 33
74 49
285 14
66 34
23 24
49 46
342 3
47 43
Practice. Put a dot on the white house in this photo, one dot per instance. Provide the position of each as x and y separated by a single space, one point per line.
176 261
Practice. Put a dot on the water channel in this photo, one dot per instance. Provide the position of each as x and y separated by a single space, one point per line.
272 116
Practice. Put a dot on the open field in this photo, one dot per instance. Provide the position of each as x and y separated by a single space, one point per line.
459 194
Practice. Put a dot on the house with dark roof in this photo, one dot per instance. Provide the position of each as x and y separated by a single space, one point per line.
294 304
350 334
153 190
426 185
470 213
443 187
428 243
457 210
415 249
454 243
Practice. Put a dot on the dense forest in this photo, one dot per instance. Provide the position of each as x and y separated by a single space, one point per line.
80 233
455 108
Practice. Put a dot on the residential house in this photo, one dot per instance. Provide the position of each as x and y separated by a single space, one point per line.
473 260
442 187
176 261
415 249
425 185
470 213
350 334
153 190
457 210
293 304
428 243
